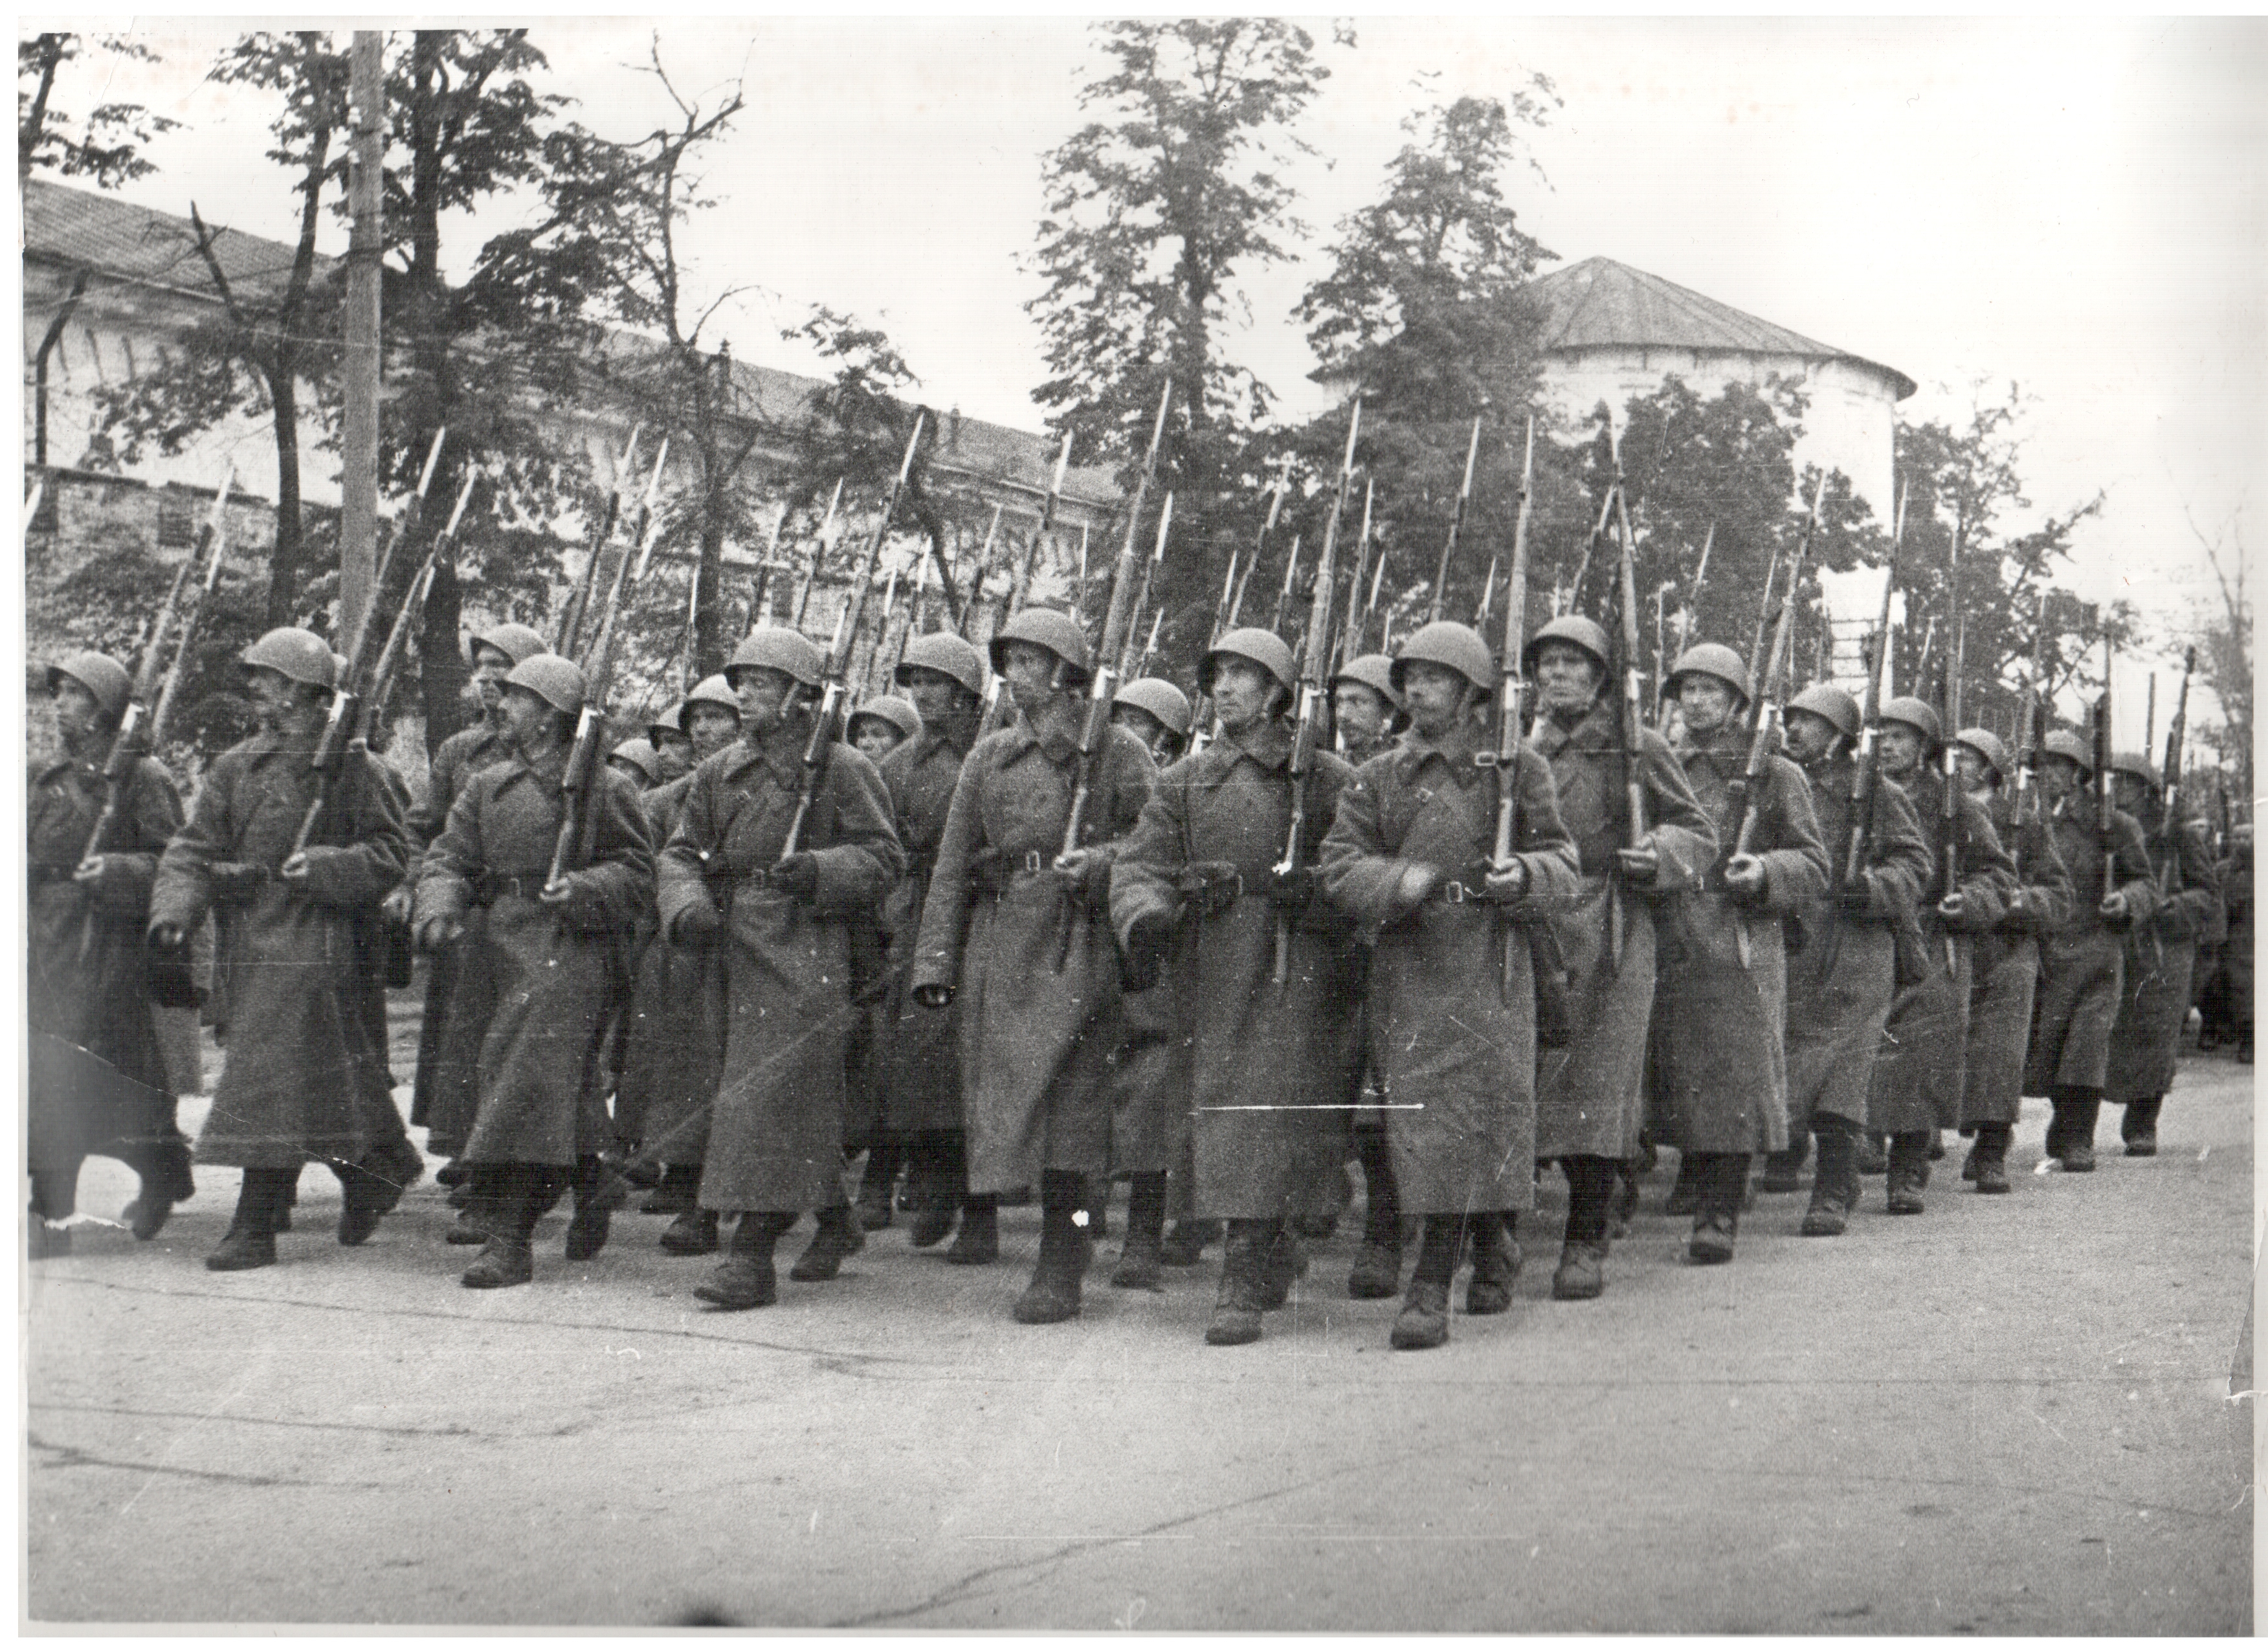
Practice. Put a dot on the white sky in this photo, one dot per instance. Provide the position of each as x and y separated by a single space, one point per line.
2074 204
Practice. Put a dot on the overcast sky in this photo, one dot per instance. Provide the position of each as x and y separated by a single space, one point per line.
2074 205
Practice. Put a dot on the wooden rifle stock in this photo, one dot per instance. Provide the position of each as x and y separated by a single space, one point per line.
1511 689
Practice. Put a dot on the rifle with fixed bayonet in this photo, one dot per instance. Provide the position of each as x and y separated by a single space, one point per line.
1690 607
1511 689
2169 784
1127 658
818 555
602 533
1633 706
1023 586
1948 814
2026 806
1456 527
1345 631
2106 801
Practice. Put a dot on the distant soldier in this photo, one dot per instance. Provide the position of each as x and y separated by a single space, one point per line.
1590 1092
1721 968
301 1079
1452 994
638 762
2007 962
879 726
1267 1074
1917 1082
98 1076
917 1051
2237 951
882 725
675 1045
1017 933
668 733
1841 980
1155 712
2161 956
2082 963
780 923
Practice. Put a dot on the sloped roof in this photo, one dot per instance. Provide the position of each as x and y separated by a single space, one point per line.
1600 304
122 241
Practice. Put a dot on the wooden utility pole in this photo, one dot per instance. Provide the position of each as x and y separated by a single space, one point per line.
358 483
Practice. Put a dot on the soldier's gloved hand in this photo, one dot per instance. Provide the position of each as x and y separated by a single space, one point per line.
440 933
1744 877
234 882
1143 957
697 925
2019 916
294 871
168 937
1641 866
395 907
988 871
796 876
2114 908
1211 886
1085 874
1414 887
933 997
1951 909
1295 888
1499 886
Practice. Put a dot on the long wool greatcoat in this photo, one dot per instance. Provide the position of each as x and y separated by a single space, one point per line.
2161 953
1454 1047
549 978
1266 1083
1036 1039
674 1039
917 1051
1918 1080
461 755
1720 1060
86 982
2007 970
301 1079
2236 891
1841 980
1590 1094
776 1136
2082 964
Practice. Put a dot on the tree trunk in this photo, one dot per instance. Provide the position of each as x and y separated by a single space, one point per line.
52 336
283 560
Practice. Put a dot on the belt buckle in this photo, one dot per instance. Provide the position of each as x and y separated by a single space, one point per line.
1033 863
1455 893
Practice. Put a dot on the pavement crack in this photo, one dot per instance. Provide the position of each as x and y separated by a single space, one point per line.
454 1431
72 1456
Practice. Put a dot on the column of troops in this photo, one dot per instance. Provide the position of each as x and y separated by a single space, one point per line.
930 979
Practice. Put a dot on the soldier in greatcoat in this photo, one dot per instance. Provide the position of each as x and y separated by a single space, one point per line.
1841 980
2082 963
879 726
781 923
2161 952
301 1079
1451 986
2237 951
1917 1082
917 1051
2006 964
1016 933
1721 959
675 1044
1590 1091
551 962
1268 1071
98 1080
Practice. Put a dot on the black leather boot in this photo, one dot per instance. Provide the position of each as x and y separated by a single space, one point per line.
2139 1129
1186 1244
886 1155
1685 1192
978 1243
2070 1133
508 1257
1834 1184
839 1237
1989 1156
678 1193
940 1181
1237 1310
1717 1221
1424 1321
1065 1251
1496 1263
1591 1183
1140 1259
250 1241
1908 1171
745 1278
593 1216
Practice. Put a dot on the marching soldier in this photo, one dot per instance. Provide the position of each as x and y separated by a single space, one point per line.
676 1039
2006 963
877 727
883 724
1268 1065
780 924
2082 963
2237 951
2161 951
1721 963
98 1075
1453 1006
670 735
1917 1083
1155 712
1018 934
1590 1090
638 762
1841 981
301 1079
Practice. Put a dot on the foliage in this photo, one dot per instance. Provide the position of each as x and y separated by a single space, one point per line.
107 148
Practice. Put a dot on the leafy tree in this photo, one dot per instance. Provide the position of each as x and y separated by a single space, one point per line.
2224 636
106 147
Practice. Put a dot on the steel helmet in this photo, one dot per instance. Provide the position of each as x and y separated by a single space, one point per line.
777 648
1987 745
664 723
2064 743
946 653
1446 643
641 756
1835 705
2136 764
1049 628
1373 671
1161 699
515 642
301 655
1713 660
709 690
1917 714
1586 634
1265 648
99 674
899 713
558 683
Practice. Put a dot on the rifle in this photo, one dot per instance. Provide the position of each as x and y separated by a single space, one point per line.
141 725
1283 596
1748 784
1563 603
882 629
1118 618
1481 609
1150 648
1456 527
2170 877
976 584
405 527
578 603
1354 579
1237 607
2106 805
1949 817
1369 604
1126 656
1312 668
1692 603
2150 716
831 698
345 726
1633 718
1763 613
2034 723
760 592
1023 585
1510 689
817 554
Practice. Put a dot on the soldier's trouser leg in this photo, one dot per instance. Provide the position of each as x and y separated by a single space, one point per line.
1834 1184
1783 1170
1140 1260
1990 1157
1591 1190
2139 1129
1382 1203
1065 1250
2070 1132
1685 1192
938 1172
679 1192
1237 1310
886 1154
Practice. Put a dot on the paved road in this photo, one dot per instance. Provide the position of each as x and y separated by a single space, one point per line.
2008 1415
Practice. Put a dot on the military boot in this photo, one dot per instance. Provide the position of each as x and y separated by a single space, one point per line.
940 1181
363 1202
886 1155
1989 1156
508 1257
1140 1259
746 1279
1424 1321
1496 1263
1237 1310
979 1239
164 1172
678 1193
1874 1151
1593 1183
1717 1221
1285 1264
1185 1245
1685 1192
1376 1275
2070 1133
1909 1172
593 1218
250 1241
839 1237
1066 1249
1784 1171
1834 1183
692 1234
2139 1129
1629 1176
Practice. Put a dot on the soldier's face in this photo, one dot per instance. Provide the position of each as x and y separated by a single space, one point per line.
1810 737
1902 747
1140 724
1241 693
2127 792
1570 677
713 728
1031 673
271 696
675 750
1435 695
1707 703
936 695
1976 772
874 738
762 693
77 717
490 667
527 719
1362 715
2059 777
